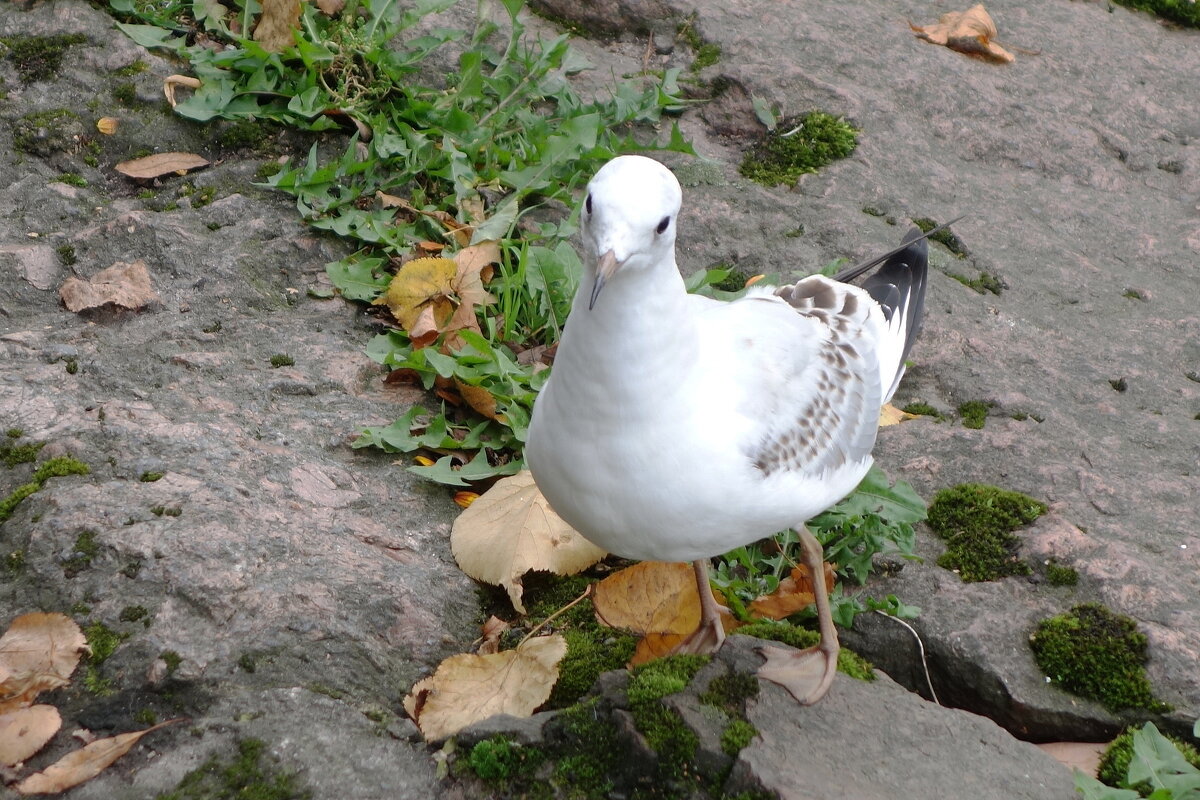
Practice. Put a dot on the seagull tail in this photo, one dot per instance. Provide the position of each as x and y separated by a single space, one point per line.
899 288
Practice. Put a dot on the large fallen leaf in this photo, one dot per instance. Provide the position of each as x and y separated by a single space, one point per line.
970 31
25 731
467 688
650 597
793 594
276 29
122 285
84 764
654 646
511 530
1083 756
160 164
38 652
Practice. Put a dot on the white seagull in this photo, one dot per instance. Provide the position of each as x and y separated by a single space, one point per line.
675 427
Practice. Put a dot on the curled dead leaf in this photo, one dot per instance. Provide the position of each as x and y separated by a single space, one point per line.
468 688
38 652
171 82
25 731
493 629
793 594
107 125
84 764
121 285
971 31
511 530
160 164
890 415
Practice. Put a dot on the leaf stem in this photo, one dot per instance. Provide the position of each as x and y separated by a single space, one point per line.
548 619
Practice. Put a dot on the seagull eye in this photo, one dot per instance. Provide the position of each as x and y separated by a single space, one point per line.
662 226
588 204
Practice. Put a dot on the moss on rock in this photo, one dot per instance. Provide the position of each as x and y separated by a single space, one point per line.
799 146
977 521
1094 653
849 662
40 57
1114 763
244 776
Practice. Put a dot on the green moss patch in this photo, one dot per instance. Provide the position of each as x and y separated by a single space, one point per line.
1060 575
43 133
1183 12
984 283
1114 763
13 454
665 731
799 146
499 760
102 642
39 57
977 521
736 736
245 777
1094 653
52 468
944 237
849 662
923 410
974 413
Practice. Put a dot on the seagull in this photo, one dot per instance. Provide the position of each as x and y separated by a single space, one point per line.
675 427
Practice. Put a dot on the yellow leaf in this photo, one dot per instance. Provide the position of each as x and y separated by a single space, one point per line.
38 652
970 31
650 597
464 499
107 125
160 164
80 765
277 26
423 285
25 731
423 461
468 688
890 415
511 530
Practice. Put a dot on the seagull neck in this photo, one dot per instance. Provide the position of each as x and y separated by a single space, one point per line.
643 315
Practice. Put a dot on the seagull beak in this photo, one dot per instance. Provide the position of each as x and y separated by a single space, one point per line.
605 268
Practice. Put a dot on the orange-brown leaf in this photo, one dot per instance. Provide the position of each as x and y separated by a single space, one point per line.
793 594
80 765
160 164
650 597
464 499
477 398
971 31
121 285
655 645
493 629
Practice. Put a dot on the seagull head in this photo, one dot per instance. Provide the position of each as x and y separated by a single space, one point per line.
629 219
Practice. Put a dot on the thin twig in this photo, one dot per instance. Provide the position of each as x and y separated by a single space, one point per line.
547 620
921 646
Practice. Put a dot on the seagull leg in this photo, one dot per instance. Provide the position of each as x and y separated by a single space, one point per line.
708 637
807 674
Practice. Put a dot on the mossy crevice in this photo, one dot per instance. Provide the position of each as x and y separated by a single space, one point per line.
40 57
1114 763
799 146
246 775
1092 652
944 237
977 521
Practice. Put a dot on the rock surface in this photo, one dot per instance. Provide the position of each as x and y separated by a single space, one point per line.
285 569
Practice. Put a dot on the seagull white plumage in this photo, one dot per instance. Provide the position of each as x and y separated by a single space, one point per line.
676 427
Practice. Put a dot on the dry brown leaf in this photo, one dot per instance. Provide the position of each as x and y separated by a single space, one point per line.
511 530
172 81
467 688
477 398
84 764
468 287
478 258
38 652
107 125
650 597
422 285
1083 756
395 201
25 731
655 645
160 164
473 208
276 29
890 415
793 594
970 31
331 7
493 629
123 285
